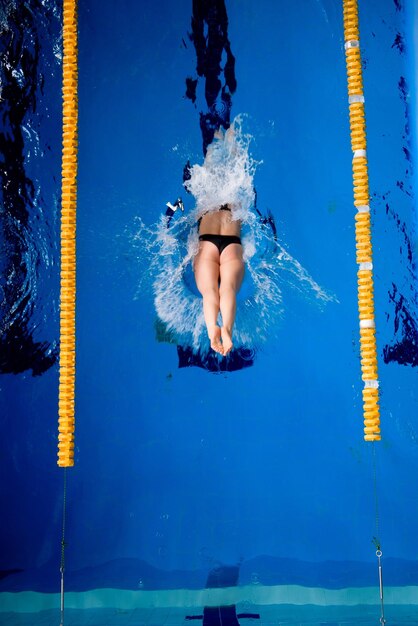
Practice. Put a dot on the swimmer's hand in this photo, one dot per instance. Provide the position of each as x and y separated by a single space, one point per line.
230 134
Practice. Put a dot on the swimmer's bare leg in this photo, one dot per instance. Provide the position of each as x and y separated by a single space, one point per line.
206 271
231 274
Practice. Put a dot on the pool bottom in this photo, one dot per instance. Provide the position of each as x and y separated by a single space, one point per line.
232 606
270 615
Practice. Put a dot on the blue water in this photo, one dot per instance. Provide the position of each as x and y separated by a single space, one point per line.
203 483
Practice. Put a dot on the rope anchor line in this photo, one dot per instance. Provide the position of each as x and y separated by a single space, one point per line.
63 546
368 350
382 607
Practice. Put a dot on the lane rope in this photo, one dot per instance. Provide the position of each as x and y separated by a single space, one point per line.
66 393
364 258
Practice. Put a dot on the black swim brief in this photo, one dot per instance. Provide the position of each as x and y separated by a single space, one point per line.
221 241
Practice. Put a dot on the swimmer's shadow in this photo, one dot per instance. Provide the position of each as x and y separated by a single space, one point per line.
236 360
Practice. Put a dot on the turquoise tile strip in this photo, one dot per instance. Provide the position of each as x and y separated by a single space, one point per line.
31 602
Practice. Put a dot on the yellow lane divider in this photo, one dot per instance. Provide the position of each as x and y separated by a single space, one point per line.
363 231
66 421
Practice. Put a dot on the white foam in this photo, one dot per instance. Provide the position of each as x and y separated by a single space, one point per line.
6 7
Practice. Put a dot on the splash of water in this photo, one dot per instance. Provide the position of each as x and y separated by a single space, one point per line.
6 8
225 177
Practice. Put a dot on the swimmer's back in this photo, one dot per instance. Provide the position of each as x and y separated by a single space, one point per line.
219 223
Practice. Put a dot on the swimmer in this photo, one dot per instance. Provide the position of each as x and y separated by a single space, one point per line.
223 191
219 271
207 239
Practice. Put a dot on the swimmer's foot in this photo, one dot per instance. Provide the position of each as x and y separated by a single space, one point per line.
226 340
215 340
